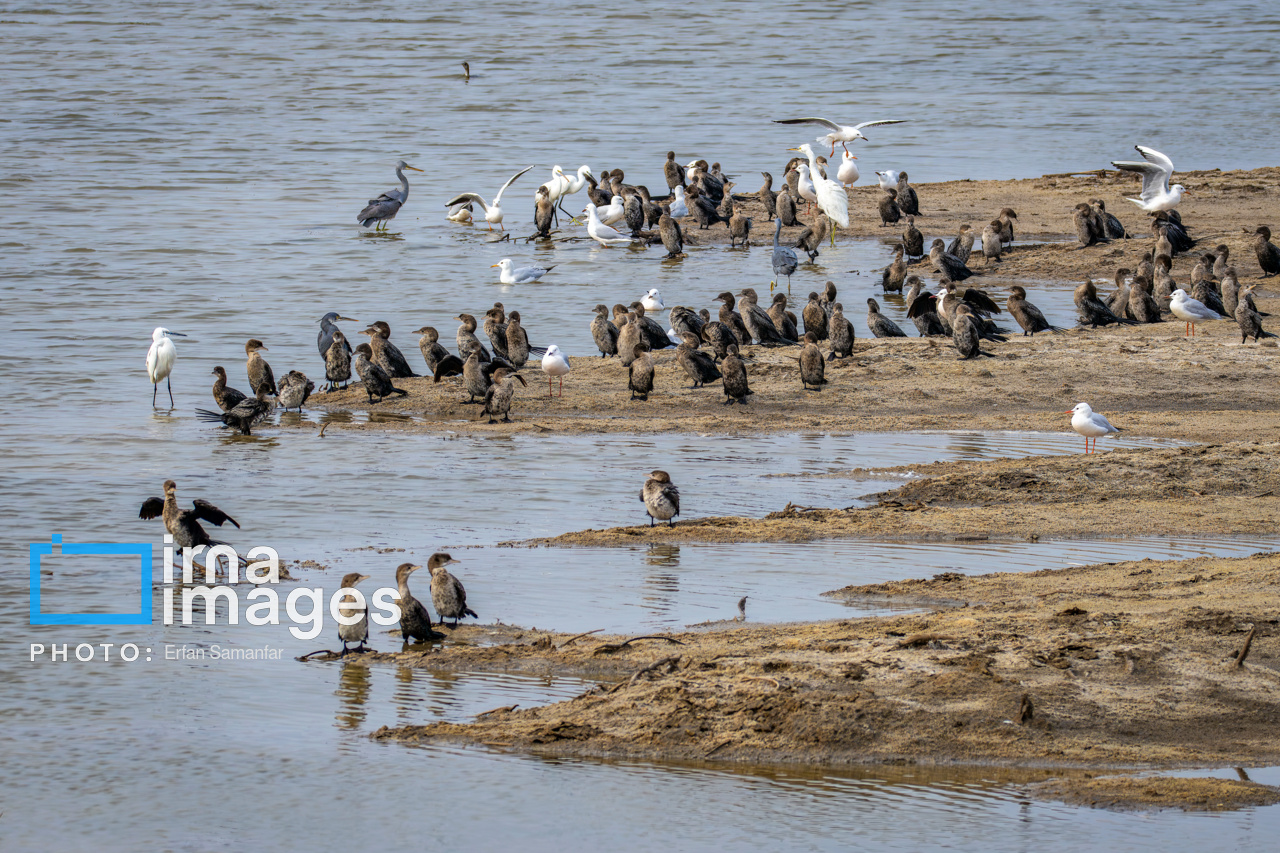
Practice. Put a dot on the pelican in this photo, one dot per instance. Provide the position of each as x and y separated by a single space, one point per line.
848 171
839 133
601 233
384 208
1156 193
160 359
492 212
831 196
521 275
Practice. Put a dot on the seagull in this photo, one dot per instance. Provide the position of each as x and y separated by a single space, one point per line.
1090 424
679 209
1191 310
492 212
601 233
523 275
888 179
1156 193
615 212
831 196
847 174
652 301
460 213
806 186
554 364
160 359
839 133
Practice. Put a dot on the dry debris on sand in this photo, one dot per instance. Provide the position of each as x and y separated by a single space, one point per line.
1121 664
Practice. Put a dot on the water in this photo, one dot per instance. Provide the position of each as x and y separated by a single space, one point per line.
200 167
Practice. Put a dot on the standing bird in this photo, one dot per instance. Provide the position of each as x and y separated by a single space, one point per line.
384 208
912 239
295 389
247 414
327 330
447 593
492 211
1230 291
497 400
768 198
1111 226
841 134
433 352
226 398
815 317
700 367
1268 254
358 632
519 275
784 259
160 359
260 375
1090 424
678 206
888 179
831 197
1028 316
907 199
880 325
661 498
604 332
375 379
783 320
517 341
896 273
965 333
555 365
758 322
1191 310
1006 217
415 619
840 333
739 229
601 233
962 245
702 208
1087 233
1156 195
673 172
640 372
890 213
544 212
337 361
784 209
1248 318
1092 311
386 354
732 320
184 524
812 367
991 242
947 264
811 238
847 174
734 377
922 309
671 235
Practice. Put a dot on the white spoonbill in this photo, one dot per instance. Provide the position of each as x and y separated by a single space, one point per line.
160 359
842 134
1156 193
508 274
1191 310
1090 424
601 233
847 174
555 365
492 211
831 196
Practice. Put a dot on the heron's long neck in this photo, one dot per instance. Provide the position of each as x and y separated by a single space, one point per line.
776 231
404 183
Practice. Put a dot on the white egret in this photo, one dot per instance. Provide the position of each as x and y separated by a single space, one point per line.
1156 193
576 182
601 233
160 359
841 134
384 208
492 211
1191 310
1090 424
520 275
847 174
831 196
555 365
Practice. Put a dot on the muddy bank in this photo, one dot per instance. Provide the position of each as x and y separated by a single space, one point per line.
1125 793
1220 490
1126 664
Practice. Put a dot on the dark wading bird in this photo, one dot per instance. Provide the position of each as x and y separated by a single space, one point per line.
375 379
226 398
734 377
384 208
812 367
415 619
260 375
160 359
661 498
328 327
448 596
358 632
337 361
1029 317
246 414
184 524
497 399
784 259
880 325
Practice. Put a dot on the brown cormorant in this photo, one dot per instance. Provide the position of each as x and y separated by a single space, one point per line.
447 593
661 498
184 524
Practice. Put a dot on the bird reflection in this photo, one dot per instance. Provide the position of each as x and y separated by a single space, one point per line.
970 445
352 693
663 554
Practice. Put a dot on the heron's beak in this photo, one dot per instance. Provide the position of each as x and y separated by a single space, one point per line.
416 169
347 319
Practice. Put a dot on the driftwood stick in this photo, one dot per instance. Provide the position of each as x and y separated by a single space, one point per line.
580 636
1244 650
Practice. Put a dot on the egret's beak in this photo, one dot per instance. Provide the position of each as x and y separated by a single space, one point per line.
793 149
177 334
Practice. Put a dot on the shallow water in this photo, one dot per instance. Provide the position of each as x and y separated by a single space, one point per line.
199 167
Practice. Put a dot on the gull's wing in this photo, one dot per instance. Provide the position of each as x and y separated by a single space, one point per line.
822 121
880 122
497 199
1155 172
1154 156
459 199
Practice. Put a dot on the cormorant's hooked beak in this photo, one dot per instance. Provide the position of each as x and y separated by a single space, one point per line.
453 561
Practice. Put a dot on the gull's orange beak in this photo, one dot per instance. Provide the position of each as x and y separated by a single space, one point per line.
1069 412
491 266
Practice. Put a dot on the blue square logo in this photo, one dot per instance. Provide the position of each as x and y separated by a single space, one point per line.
141 549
